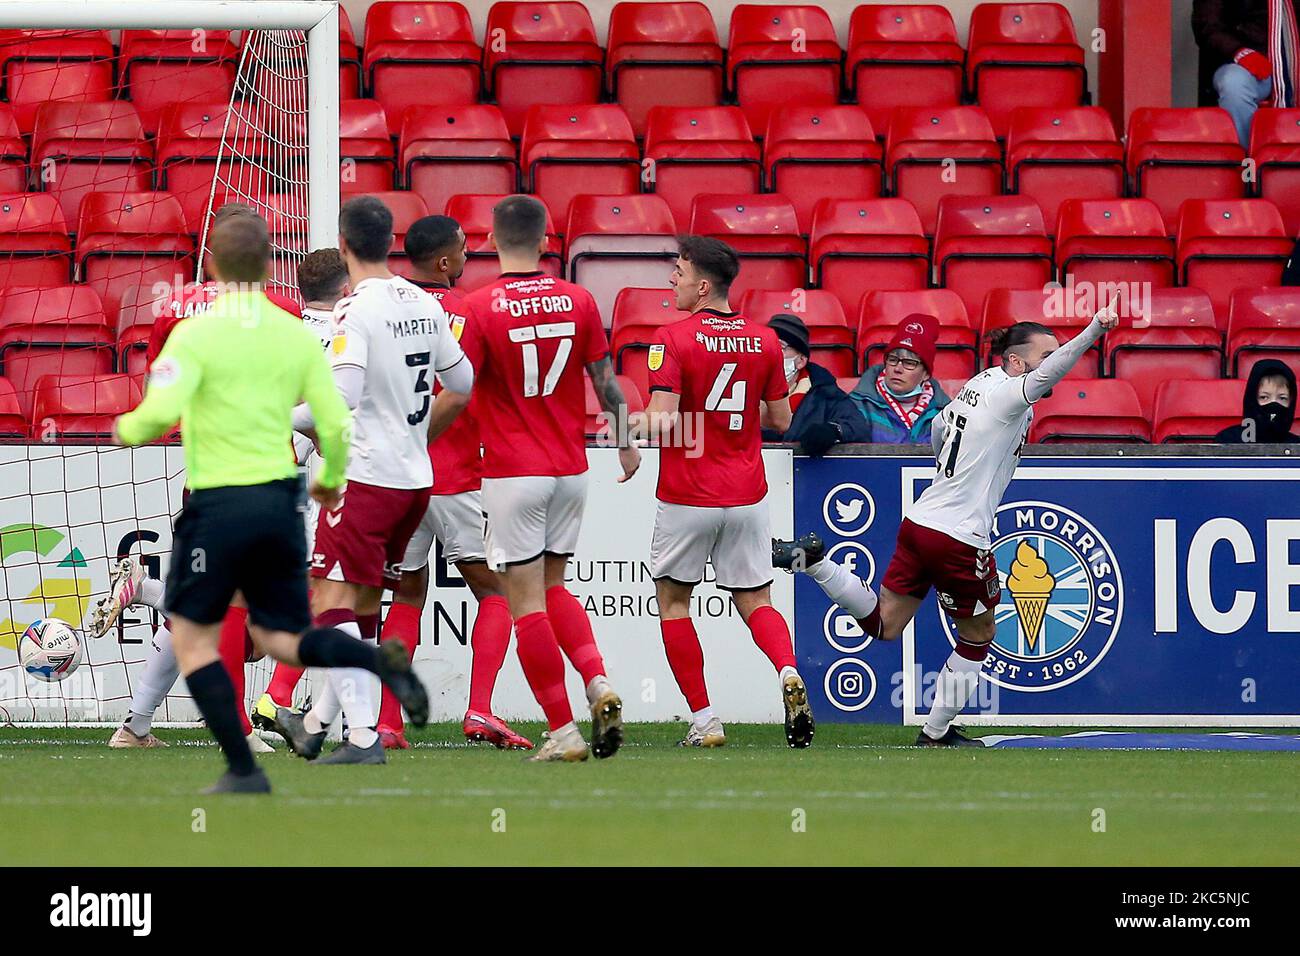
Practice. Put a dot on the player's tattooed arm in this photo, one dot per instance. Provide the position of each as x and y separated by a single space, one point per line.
612 400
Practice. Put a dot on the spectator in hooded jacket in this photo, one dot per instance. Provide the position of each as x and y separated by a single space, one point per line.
1267 407
823 414
900 397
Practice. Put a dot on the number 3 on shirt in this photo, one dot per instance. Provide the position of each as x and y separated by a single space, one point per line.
527 336
420 360
733 402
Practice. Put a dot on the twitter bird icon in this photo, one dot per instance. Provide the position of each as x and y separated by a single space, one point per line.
848 509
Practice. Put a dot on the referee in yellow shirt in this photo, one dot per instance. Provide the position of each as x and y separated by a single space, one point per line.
231 377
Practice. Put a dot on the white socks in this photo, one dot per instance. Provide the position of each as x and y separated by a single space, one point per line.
352 690
700 718
956 685
160 673
785 672
844 587
599 685
151 592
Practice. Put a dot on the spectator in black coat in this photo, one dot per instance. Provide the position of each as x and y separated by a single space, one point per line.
823 414
1267 407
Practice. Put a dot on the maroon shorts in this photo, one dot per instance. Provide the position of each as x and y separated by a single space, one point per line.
364 539
965 578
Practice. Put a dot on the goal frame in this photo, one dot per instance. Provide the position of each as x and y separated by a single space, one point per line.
319 19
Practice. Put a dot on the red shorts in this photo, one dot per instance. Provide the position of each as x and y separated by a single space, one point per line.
364 540
965 578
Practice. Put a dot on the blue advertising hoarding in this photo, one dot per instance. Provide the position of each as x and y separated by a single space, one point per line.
1144 591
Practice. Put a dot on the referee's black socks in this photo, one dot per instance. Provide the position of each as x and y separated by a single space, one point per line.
330 647
214 695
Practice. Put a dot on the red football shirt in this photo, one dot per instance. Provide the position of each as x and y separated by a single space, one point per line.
722 366
193 299
457 453
530 335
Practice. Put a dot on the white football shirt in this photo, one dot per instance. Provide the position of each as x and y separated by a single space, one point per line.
399 334
985 427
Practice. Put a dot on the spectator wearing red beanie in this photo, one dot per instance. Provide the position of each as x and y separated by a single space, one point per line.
899 397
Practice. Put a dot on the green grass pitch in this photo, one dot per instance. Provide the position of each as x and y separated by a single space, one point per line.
858 797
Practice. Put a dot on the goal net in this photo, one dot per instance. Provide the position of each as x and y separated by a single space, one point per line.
123 128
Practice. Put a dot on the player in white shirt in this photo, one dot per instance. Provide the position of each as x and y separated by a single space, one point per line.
944 541
391 339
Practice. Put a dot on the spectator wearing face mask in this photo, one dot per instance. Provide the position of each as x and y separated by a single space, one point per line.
899 397
823 414
1267 407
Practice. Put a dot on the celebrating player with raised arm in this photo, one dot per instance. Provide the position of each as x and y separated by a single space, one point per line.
944 541
726 372
531 335
391 340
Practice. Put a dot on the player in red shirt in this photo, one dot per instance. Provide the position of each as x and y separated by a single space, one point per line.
530 335
726 373
435 246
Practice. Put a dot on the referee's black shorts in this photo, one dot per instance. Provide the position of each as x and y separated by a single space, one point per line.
248 539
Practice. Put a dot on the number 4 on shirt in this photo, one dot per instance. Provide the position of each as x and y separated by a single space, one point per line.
734 402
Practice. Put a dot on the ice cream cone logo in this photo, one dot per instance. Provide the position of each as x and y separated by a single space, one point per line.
1031 586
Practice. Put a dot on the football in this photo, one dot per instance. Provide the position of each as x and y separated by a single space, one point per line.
50 650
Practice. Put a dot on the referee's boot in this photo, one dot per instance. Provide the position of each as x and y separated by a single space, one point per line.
396 674
255 782
289 725
800 554
348 752
951 738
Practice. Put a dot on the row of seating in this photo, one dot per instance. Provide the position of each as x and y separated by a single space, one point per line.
669 53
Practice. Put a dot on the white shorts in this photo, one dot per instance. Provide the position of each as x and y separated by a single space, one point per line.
456 521
532 515
737 540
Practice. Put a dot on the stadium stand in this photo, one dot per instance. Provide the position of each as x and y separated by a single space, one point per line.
614 242
457 149
764 231
638 314
572 150
941 151
1275 148
696 150
903 55
986 242
1054 154
857 246
779 53
812 153
882 311
830 336
474 213
367 162
1195 411
1085 410
1263 323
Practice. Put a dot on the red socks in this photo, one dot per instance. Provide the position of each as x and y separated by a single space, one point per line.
686 658
401 624
489 641
233 654
772 636
539 653
284 679
573 632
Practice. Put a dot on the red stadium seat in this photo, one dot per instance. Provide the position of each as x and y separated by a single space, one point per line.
699 150
1023 54
598 427
137 310
70 409
1275 147
570 150
1113 240
1086 410
457 149
1180 154
13 153
782 54
1053 154
366 160
55 331
638 313
1224 245
858 246
764 232
406 207
1004 307
985 242
881 313
903 55
349 58
474 213
820 152
128 239
35 243
662 54
941 151
541 52
13 423
616 242
188 147
1195 411
422 55
1263 323
43 66
830 335
1176 339
156 64
89 146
